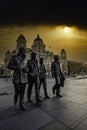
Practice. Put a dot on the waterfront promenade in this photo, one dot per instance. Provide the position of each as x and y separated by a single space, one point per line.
66 113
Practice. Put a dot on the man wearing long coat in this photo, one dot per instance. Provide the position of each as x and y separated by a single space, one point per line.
58 75
17 63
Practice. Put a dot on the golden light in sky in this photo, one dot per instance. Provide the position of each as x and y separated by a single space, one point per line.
67 30
72 39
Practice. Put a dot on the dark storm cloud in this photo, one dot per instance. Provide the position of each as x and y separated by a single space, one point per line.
51 12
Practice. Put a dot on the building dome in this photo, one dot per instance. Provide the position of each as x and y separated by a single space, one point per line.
63 51
8 52
21 37
21 41
63 54
38 39
38 44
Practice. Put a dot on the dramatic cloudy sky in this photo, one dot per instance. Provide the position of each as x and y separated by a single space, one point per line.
61 24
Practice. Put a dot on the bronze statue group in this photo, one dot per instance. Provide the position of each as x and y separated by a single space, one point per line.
33 74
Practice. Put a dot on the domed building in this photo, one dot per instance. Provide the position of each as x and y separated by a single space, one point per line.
39 47
68 67
21 41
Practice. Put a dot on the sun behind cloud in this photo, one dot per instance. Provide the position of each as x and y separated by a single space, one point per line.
65 31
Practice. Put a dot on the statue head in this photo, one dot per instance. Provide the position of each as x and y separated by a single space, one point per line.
41 60
22 51
56 57
33 55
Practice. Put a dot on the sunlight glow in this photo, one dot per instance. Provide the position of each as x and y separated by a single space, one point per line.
65 31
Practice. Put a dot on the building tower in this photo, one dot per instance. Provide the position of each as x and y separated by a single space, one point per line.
21 41
8 55
63 61
38 46
6 71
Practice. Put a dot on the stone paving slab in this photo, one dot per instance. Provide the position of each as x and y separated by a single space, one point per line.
52 103
54 126
81 99
6 102
76 124
82 125
14 111
69 114
31 120
67 95
14 124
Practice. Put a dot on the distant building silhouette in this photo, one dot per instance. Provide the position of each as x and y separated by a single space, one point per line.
8 55
75 68
39 47
63 61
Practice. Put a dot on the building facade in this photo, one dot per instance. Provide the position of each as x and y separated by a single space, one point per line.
76 68
39 47
63 61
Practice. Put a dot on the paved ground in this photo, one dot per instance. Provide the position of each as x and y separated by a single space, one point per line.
66 113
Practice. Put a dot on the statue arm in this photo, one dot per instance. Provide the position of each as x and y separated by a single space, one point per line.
13 64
